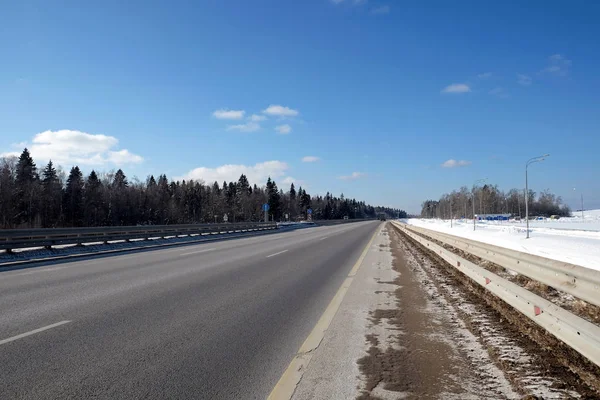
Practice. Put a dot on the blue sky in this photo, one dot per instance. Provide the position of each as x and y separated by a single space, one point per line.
382 92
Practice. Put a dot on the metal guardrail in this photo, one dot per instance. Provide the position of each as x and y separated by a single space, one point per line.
581 282
23 238
327 222
577 333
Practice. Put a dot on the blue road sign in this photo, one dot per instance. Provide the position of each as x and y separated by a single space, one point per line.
309 211
265 207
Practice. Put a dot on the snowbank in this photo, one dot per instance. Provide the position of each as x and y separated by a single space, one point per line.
571 240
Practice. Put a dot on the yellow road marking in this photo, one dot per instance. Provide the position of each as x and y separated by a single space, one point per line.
285 387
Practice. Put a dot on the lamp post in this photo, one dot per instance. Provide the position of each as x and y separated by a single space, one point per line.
530 161
473 197
581 205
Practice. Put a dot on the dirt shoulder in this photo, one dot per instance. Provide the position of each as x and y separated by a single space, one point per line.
433 354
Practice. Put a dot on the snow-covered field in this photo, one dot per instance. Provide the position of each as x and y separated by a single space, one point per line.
571 240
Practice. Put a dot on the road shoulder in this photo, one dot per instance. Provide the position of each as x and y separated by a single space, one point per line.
333 372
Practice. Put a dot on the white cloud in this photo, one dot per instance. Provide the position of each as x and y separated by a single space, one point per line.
498 92
247 127
256 174
524 80
457 88
283 129
355 2
310 159
229 114
288 180
19 146
280 111
556 57
381 10
9 154
257 118
123 157
352 177
559 65
67 147
454 163
485 75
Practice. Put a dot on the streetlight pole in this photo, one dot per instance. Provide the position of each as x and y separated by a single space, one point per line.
450 212
473 197
581 204
530 161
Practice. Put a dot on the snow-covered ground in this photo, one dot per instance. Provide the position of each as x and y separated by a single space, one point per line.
571 240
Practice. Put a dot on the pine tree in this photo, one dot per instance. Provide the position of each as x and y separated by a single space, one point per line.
273 199
244 185
231 200
120 180
7 189
26 189
93 201
119 201
51 197
293 202
243 197
73 198
26 171
164 196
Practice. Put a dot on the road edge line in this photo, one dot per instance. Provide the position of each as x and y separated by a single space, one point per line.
33 332
286 386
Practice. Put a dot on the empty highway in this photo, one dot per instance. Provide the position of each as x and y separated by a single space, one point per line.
218 320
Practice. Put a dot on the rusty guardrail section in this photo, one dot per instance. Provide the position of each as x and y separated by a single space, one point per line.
576 332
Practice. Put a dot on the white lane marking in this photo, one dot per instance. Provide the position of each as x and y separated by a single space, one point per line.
33 332
52 269
196 252
116 257
276 254
36 271
323 238
18 274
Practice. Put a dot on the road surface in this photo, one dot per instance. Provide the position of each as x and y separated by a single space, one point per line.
217 320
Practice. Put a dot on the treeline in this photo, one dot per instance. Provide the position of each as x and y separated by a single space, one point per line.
490 200
49 198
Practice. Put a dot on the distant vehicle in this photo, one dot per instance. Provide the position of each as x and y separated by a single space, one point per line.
382 217
555 217
345 217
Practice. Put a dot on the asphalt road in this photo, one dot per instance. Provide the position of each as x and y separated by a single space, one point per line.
214 321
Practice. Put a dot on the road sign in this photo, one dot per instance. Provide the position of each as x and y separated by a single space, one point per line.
225 218
309 211
265 207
